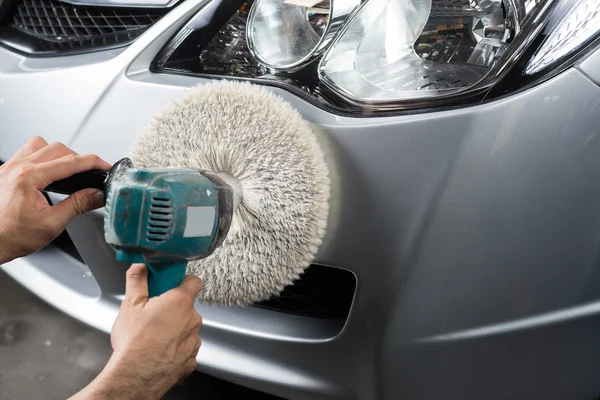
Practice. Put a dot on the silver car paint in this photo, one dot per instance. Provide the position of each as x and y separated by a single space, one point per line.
473 234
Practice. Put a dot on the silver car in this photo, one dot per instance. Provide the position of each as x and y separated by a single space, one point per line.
465 259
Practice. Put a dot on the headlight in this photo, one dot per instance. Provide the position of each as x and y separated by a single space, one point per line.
382 55
407 49
285 34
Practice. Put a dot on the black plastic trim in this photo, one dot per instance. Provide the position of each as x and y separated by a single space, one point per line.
320 292
73 29
24 45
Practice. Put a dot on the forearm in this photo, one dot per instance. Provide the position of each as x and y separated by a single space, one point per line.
116 381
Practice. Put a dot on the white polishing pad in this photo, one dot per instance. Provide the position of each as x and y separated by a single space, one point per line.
245 131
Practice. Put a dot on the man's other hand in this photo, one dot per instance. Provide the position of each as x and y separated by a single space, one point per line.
27 221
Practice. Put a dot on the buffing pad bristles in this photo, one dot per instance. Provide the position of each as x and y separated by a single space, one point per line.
251 134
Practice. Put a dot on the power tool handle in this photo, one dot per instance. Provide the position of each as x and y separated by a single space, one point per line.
163 277
89 179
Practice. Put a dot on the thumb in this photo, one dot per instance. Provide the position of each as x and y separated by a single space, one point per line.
136 284
78 203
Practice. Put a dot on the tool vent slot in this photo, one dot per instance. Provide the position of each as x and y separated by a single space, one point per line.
160 219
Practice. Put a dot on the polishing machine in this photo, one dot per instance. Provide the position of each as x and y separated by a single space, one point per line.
162 217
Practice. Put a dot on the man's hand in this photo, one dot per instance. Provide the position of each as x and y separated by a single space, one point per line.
155 341
27 221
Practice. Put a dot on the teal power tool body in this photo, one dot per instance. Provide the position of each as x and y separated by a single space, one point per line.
160 217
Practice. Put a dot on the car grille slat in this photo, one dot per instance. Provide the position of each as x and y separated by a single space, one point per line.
53 25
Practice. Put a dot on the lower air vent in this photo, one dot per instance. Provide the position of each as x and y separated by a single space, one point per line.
160 221
321 292
64 243
49 26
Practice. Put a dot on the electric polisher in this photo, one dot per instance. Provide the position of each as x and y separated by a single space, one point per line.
163 217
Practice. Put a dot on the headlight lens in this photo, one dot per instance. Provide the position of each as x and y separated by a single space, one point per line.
580 23
407 49
377 55
283 34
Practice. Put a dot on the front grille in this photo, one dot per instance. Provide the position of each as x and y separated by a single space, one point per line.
321 292
53 25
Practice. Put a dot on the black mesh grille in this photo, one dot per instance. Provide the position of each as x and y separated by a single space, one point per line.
321 292
64 26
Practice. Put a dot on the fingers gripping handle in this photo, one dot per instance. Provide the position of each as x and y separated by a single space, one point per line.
163 277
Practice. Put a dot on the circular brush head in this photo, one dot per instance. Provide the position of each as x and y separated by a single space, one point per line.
246 132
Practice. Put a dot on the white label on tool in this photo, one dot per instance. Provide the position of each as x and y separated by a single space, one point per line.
200 221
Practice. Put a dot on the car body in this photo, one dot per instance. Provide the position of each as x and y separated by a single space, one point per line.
468 234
